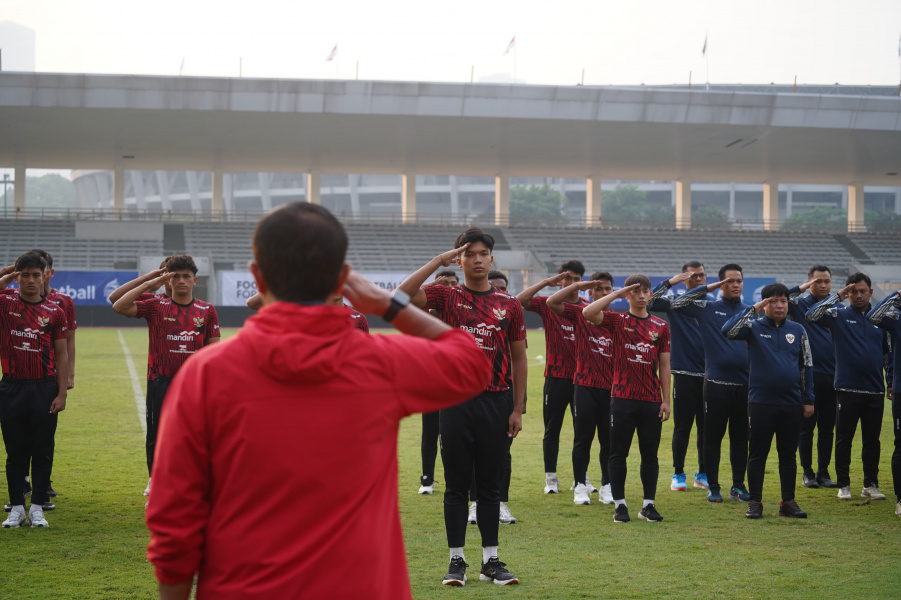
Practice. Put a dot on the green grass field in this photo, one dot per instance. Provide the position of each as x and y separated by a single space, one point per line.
95 546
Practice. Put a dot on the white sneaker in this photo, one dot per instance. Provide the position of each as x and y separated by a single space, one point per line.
591 488
898 508
427 489
606 496
472 513
872 493
551 485
36 516
147 489
580 495
16 517
844 493
506 517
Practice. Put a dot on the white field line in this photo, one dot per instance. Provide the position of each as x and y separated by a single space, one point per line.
135 383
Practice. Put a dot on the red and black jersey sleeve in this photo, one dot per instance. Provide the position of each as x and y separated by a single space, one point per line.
212 325
559 340
437 297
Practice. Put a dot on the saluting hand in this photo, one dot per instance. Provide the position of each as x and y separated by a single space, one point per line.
845 292
448 258
762 304
366 297
623 292
719 284
806 286
443 280
7 275
554 280
680 278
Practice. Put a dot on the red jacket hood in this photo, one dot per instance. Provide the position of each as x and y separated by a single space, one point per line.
300 343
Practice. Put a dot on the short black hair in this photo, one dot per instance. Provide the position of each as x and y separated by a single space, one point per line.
774 289
498 275
473 235
598 275
45 255
692 264
300 249
31 260
181 262
858 277
447 273
165 260
815 268
729 267
575 266
638 278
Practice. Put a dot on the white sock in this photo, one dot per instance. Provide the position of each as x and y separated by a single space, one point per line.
646 502
18 508
550 476
489 552
618 503
457 552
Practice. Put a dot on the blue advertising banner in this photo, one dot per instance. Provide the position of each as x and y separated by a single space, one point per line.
751 293
90 288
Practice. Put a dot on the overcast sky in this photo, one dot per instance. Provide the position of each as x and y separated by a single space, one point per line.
616 42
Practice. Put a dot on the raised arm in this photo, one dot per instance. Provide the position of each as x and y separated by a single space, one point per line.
7 276
887 313
739 326
691 300
823 313
556 302
525 296
659 302
126 304
594 312
412 285
128 286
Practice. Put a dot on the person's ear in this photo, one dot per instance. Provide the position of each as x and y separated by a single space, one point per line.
342 279
262 288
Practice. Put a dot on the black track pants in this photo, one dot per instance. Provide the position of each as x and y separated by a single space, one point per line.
687 407
28 434
868 409
474 436
823 420
725 406
591 412
429 447
558 395
626 418
764 422
156 393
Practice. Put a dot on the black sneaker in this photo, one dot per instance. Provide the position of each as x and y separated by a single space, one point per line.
494 570
755 510
50 491
649 513
621 514
49 505
825 480
810 480
456 573
790 508
739 492
27 487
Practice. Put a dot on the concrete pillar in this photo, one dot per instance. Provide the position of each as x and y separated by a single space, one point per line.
732 200
162 184
454 196
593 202
408 198
265 193
19 191
855 208
683 204
353 182
770 206
898 201
501 200
313 188
228 192
216 201
119 190
137 186
788 201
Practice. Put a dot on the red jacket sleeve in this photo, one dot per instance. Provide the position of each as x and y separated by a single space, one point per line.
434 374
179 506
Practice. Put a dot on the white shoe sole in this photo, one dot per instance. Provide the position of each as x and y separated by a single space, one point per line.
454 582
548 490
426 491
678 489
496 582
879 497
14 526
582 501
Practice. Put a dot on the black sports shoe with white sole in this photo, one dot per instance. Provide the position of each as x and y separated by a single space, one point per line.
494 571
621 514
456 573
649 513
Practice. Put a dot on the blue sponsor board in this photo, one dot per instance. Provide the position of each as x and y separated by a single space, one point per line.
750 295
90 288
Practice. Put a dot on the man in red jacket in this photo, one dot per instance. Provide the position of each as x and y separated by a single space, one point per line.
257 427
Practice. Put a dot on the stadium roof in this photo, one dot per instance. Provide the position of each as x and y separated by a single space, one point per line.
635 133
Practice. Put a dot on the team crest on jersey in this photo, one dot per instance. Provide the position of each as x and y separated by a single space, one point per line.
43 321
198 322
653 336
500 313
790 338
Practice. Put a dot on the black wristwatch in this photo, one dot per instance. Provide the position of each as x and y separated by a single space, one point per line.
399 301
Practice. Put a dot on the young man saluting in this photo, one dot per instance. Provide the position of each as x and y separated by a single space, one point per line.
780 392
641 353
475 434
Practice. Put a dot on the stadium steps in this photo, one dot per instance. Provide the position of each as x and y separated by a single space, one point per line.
855 250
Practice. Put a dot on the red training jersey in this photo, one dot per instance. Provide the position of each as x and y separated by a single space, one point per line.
176 332
28 331
637 346
559 339
493 317
65 304
594 350
359 320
